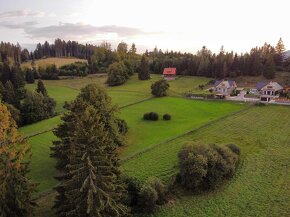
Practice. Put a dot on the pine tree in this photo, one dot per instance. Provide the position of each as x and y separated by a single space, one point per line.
15 187
10 95
280 49
269 68
87 158
41 88
144 73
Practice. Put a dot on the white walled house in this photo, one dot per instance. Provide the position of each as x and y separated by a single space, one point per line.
224 87
269 90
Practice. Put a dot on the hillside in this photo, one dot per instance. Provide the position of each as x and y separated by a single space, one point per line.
58 61
282 78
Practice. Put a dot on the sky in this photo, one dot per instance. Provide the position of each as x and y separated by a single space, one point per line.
179 25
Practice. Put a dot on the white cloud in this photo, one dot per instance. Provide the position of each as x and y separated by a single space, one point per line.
21 13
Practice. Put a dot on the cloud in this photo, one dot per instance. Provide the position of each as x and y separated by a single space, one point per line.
23 25
20 13
70 30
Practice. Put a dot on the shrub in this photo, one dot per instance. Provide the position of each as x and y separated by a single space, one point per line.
160 188
159 88
153 116
166 117
146 116
234 148
133 187
147 198
122 126
204 167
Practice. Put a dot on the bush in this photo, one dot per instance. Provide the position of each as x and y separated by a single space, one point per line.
147 199
133 187
153 116
234 148
152 193
166 117
203 167
122 126
160 188
159 88
74 69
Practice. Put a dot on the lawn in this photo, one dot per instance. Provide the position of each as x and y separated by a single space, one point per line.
53 60
186 115
42 165
261 186
41 126
58 93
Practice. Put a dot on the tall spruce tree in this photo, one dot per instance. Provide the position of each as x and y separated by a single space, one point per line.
15 187
269 68
87 159
41 88
280 50
143 71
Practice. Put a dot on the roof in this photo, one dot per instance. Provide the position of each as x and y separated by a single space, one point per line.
269 85
228 83
169 71
261 84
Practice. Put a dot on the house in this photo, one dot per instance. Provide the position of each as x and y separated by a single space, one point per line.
169 73
268 90
224 87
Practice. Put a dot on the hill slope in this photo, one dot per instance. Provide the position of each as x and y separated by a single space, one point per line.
58 61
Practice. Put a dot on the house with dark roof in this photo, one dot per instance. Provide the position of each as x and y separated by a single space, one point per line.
169 73
269 90
224 87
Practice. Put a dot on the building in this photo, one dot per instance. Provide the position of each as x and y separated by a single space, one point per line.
269 90
224 87
169 73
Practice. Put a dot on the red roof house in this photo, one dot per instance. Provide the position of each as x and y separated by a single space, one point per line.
169 73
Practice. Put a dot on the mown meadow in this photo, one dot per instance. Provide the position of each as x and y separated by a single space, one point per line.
261 184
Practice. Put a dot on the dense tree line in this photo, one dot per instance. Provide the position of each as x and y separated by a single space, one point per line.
263 60
204 63
25 107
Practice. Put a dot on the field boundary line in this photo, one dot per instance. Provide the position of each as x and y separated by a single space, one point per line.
136 154
121 107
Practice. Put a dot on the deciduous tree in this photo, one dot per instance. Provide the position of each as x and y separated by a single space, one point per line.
15 187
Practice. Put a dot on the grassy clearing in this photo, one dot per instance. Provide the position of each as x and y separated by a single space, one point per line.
53 60
261 186
40 126
58 93
186 115
42 165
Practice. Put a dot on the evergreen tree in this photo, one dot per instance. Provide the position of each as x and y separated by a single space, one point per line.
41 88
87 158
280 50
10 96
269 68
15 187
143 71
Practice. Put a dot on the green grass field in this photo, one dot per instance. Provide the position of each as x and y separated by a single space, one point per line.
261 186
53 60
186 115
